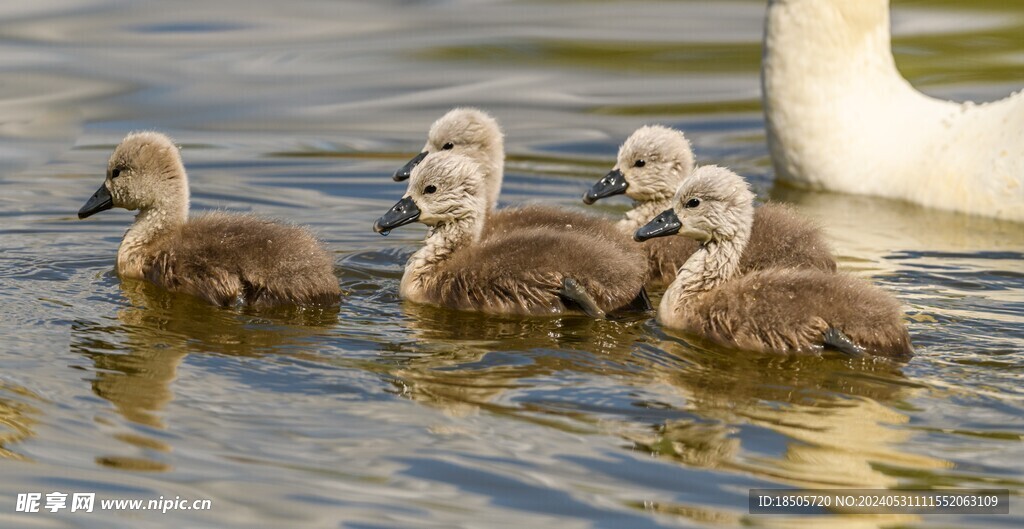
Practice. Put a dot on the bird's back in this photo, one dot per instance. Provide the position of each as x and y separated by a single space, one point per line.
790 309
522 271
227 257
506 220
781 238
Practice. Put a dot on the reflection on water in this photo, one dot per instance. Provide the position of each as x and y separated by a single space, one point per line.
388 414
17 418
868 227
819 404
472 361
808 422
159 329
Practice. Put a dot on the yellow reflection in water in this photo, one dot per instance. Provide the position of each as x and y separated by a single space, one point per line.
16 418
137 361
446 377
837 418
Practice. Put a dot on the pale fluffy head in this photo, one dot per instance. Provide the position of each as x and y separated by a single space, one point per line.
714 204
145 171
474 133
654 160
447 187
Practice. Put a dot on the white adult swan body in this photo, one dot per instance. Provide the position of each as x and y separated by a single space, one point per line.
840 116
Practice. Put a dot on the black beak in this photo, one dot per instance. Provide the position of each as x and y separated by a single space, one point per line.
99 201
665 224
613 183
406 170
402 213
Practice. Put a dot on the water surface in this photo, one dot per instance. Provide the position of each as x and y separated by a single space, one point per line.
384 414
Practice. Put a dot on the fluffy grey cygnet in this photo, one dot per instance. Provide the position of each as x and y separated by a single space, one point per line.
526 270
774 309
221 257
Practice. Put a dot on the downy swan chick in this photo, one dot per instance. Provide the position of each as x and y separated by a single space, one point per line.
776 309
652 163
476 134
839 116
221 257
529 270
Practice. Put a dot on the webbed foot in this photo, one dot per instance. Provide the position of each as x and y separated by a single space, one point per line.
575 294
835 339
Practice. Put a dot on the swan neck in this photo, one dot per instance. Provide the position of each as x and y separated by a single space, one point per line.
844 38
710 266
150 224
442 241
817 50
717 261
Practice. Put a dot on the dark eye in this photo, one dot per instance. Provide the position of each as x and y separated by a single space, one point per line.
114 173
448 146
639 163
692 203
430 189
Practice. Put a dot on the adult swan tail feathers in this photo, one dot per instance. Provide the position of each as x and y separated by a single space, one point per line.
840 116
